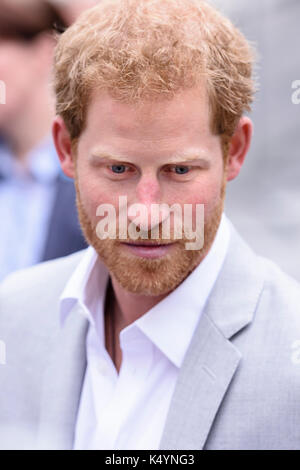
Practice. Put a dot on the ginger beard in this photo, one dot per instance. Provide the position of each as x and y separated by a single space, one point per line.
150 276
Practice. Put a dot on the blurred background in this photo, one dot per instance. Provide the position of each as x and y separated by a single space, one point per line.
264 201
37 203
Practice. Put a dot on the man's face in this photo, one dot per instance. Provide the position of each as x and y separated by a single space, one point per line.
161 152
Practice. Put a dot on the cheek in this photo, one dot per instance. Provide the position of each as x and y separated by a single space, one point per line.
206 192
91 196
93 193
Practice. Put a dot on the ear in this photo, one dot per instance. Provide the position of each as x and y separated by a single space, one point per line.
63 146
239 146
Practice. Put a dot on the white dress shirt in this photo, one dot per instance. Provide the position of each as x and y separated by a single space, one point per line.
128 410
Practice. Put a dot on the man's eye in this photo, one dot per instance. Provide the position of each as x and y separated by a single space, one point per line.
181 170
118 168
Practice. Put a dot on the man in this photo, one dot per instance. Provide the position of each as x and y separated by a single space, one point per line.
140 342
37 202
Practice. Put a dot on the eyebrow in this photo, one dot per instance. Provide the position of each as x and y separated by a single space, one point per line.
104 157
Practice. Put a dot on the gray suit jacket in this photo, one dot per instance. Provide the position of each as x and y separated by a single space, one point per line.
238 387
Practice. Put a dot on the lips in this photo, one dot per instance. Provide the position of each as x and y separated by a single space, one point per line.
148 249
147 244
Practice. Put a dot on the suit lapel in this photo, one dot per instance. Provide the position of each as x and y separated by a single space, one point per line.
63 383
202 384
212 360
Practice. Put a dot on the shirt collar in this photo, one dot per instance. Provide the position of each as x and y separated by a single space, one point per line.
43 162
86 286
171 323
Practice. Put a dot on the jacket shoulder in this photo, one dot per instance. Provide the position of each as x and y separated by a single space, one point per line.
31 293
280 288
55 271
276 325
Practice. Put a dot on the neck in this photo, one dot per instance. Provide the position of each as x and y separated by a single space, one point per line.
130 307
30 127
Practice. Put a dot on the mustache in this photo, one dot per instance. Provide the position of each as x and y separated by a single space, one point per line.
146 236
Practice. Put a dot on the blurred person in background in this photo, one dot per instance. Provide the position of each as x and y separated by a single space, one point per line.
37 202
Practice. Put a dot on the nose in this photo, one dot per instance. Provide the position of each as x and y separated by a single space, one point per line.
147 211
